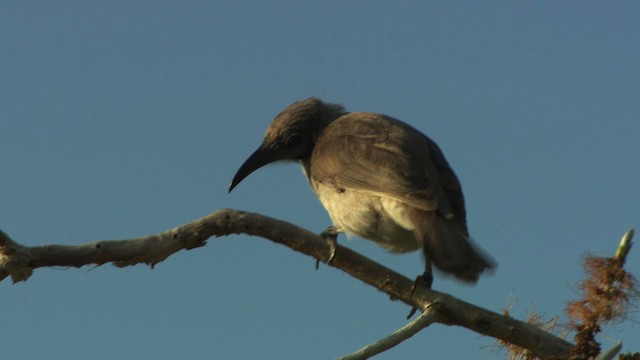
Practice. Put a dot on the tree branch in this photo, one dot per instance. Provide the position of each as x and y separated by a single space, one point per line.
428 317
19 261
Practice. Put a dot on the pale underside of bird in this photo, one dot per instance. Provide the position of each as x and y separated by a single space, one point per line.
379 179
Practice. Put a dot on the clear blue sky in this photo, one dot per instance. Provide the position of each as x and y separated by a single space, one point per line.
121 119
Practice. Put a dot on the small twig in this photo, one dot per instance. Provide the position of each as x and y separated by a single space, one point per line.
611 353
625 245
428 317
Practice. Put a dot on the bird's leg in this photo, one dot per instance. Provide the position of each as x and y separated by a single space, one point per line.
426 279
330 234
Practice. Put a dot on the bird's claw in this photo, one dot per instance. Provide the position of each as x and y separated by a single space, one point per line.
412 312
330 235
425 280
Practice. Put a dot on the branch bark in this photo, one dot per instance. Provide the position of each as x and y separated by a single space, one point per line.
19 261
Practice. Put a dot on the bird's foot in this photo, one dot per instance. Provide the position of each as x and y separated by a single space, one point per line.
425 280
330 234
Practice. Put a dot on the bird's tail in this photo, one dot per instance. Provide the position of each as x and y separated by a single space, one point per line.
453 252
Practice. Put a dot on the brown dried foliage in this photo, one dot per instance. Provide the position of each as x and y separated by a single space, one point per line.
608 294
515 352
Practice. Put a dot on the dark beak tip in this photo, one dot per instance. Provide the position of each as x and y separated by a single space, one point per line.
258 159
262 156
231 186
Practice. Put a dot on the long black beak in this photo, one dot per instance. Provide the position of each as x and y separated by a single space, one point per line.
261 157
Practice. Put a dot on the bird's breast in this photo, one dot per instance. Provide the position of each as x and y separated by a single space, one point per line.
379 219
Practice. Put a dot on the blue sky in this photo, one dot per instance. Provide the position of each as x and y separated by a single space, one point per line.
121 119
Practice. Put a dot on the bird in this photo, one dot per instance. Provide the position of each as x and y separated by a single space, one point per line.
379 179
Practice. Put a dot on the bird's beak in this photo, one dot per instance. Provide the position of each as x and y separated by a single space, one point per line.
261 157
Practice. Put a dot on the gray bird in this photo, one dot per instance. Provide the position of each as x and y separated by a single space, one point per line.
379 179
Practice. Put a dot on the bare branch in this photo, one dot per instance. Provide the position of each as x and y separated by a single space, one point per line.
19 261
428 317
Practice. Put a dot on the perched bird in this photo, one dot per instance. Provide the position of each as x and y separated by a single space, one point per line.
379 179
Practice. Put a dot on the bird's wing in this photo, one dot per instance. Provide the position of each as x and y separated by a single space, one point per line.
375 153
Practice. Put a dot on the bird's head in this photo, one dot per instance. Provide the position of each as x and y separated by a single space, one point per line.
291 135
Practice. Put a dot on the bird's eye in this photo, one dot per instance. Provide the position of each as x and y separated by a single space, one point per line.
293 141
